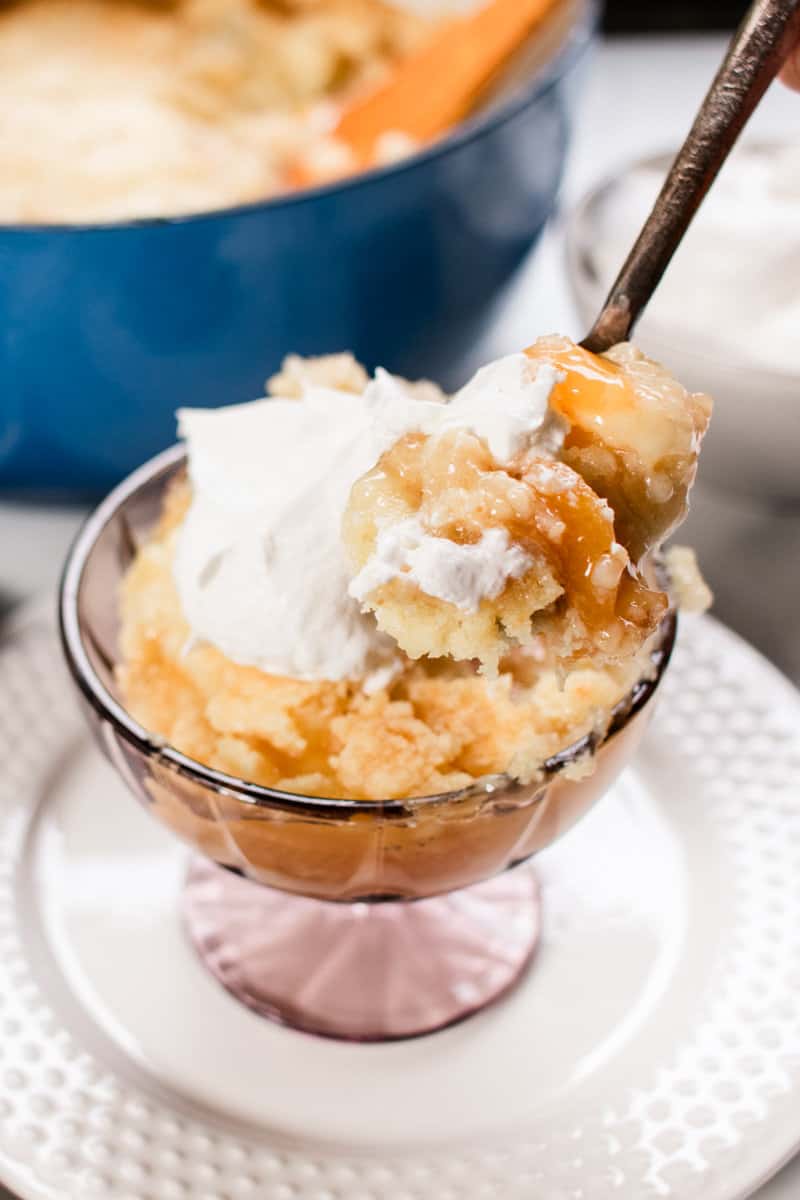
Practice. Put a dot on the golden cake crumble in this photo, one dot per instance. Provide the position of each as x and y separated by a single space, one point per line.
439 723
435 729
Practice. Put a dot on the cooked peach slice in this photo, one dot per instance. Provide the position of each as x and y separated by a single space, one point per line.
634 435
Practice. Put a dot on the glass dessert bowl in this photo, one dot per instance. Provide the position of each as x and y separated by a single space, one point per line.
365 646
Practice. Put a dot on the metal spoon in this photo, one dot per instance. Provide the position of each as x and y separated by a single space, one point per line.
759 48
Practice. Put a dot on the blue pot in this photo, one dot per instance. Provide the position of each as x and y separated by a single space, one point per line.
105 330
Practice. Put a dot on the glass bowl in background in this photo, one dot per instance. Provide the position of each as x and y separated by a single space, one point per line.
751 446
357 919
110 327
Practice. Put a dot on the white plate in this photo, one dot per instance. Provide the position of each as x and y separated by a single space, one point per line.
653 1050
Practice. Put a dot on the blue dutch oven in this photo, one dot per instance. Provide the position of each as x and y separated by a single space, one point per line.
106 329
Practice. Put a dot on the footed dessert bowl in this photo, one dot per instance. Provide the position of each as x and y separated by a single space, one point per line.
359 919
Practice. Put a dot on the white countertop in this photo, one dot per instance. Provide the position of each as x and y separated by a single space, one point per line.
751 557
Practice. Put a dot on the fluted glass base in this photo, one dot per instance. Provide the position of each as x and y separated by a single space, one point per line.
361 971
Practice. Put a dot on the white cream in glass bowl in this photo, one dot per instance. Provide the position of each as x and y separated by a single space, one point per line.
726 317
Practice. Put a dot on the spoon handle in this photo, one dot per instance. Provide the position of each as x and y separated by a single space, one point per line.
759 48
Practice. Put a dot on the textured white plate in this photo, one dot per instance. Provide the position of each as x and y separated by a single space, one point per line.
653 1051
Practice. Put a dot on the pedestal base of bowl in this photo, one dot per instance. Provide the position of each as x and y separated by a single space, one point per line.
363 971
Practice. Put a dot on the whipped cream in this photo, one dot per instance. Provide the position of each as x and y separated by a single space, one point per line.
259 565
462 575
506 404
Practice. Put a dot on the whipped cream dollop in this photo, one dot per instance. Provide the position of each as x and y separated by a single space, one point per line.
260 566
461 574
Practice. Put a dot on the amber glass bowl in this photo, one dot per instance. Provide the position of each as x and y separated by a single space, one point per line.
319 849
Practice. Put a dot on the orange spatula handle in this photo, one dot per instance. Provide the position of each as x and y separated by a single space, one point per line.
436 86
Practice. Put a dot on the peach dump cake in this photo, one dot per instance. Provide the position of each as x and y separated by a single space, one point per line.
136 108
361 588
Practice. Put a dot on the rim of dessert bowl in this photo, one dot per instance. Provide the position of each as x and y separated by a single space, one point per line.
577 37
588 289
109 708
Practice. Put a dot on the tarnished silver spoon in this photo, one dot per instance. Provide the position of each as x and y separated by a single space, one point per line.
759 48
